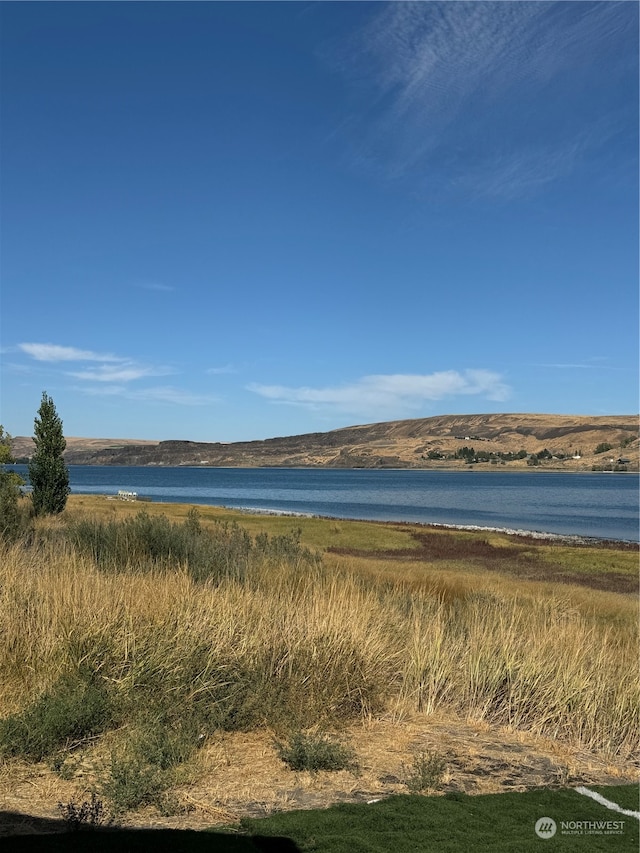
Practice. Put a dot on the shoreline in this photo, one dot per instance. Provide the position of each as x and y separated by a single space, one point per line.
543 536
521 532
479 467
585 509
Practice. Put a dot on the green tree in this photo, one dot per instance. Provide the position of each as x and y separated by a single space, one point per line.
5 447
12 520
48 473
603 447
467 453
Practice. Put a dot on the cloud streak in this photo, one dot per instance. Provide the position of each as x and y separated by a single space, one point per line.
112 375
112 368
54 353
121 373
159 394
390 393
220 371
579 366
441 75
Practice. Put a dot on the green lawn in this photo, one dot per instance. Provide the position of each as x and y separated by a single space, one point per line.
500 823
626 796
455 823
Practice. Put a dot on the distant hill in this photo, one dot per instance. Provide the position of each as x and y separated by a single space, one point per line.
22 446
563 442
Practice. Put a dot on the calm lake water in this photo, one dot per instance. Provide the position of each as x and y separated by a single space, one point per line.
586 504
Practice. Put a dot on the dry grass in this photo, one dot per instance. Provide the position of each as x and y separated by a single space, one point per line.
312 640
330 642
238 774
287 648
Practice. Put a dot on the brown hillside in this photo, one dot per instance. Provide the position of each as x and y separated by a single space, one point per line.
22 446
394 444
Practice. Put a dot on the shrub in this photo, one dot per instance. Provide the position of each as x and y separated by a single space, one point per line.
315 752
164 743
144 768
285 548
148 542
75 708
426 773
15 520
88 814
132 783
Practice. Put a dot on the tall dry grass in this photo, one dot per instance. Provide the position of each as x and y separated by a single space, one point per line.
291 649
294 646
530 664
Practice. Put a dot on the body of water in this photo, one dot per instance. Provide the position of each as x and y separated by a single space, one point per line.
585 504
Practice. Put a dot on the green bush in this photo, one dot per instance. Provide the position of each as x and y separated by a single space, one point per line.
426 773
164 742
75 708
15 519
286 548
315 752
151 541
144 768
132 783
161 737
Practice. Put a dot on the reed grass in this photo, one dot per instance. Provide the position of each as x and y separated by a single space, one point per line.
293 642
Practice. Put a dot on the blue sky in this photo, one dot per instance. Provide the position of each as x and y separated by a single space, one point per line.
230 221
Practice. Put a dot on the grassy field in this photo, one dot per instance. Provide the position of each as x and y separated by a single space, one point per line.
132 642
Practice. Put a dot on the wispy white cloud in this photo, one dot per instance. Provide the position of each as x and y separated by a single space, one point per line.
126 372
111 368
115 376
431 80
178 396
219 371
390 393
54 352
159 394
593 365
517 173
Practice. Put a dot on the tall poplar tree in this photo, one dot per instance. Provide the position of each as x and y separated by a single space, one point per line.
48 473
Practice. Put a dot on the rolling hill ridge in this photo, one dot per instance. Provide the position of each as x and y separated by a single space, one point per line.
564 442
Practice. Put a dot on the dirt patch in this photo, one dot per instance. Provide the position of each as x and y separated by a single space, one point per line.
240 775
